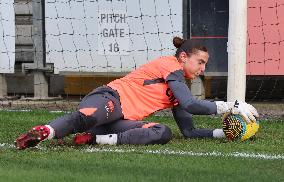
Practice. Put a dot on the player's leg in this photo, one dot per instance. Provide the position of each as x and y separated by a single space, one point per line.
143 133
94 110
186 126
127 132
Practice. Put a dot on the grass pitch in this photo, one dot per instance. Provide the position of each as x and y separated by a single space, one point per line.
261 159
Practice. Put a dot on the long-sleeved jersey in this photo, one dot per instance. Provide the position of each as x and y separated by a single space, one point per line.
157 85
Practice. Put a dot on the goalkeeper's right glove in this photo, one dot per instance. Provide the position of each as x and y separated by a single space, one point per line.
242 108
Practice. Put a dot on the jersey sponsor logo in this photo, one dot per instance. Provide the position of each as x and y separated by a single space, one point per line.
170 95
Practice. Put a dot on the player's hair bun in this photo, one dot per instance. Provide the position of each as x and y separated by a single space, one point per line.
177 41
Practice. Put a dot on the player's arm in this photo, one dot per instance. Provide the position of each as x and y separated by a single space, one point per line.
188 102
176 83
182 93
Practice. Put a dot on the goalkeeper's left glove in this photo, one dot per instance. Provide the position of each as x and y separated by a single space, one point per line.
242 108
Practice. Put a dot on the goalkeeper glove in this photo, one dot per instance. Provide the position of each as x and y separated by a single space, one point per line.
242 108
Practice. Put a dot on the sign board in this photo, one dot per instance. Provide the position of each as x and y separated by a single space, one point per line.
113 36
109 35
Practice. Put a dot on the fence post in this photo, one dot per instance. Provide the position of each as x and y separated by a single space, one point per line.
3 86
197 88
40 79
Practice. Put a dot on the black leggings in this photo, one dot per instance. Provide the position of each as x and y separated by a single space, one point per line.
100 113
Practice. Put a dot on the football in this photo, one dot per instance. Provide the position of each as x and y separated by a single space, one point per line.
235 127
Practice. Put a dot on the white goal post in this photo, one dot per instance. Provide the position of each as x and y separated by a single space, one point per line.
237 42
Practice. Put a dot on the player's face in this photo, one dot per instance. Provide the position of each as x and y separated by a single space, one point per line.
194 64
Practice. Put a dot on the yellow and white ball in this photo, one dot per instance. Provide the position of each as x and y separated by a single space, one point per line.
235 127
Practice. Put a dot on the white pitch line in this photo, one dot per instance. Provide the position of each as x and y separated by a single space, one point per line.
171 152
6 145
191 153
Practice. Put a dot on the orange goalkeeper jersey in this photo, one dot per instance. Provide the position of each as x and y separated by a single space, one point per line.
145 90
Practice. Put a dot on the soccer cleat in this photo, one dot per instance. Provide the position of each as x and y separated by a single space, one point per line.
32 138
83 138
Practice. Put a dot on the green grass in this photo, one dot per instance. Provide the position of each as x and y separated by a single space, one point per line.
68 163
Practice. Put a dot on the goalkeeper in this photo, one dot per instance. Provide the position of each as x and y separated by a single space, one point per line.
113 114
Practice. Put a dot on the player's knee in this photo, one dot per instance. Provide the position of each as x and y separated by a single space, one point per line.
163 133
88 112
87 119
167 135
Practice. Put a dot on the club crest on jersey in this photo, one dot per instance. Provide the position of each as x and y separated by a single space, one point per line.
109 108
